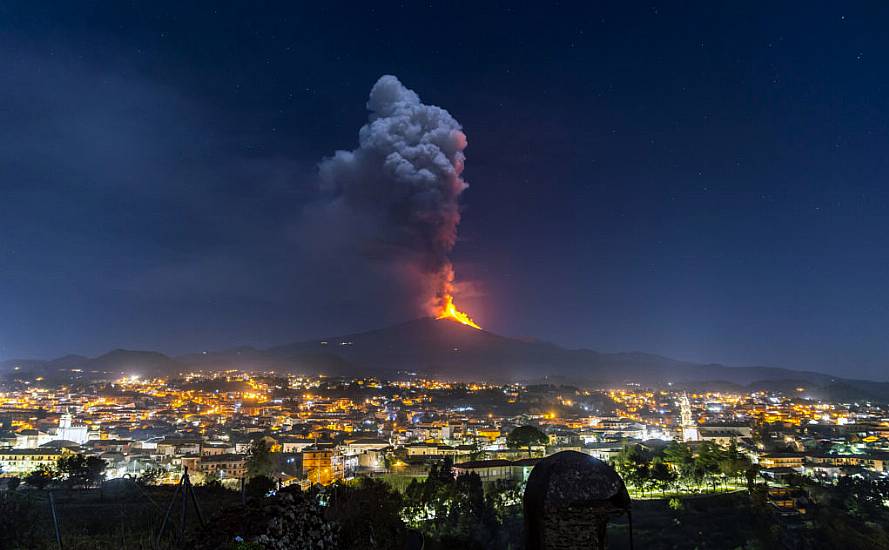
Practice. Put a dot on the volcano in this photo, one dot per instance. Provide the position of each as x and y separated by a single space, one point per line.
448 349
451 350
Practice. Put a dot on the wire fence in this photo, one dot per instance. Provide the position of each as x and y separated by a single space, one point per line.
121 516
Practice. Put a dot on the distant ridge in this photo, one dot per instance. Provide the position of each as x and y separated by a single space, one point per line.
450 350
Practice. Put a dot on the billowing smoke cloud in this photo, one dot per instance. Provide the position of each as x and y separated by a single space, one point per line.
403 182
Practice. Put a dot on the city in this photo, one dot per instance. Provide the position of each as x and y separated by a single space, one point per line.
318 431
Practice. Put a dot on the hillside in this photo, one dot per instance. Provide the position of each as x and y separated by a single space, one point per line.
450 350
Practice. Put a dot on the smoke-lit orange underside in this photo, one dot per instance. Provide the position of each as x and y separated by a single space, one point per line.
450 311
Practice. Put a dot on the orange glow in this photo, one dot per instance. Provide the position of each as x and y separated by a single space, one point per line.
450 311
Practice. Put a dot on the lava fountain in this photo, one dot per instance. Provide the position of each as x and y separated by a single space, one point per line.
450 311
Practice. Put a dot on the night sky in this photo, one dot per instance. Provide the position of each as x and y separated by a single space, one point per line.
706 182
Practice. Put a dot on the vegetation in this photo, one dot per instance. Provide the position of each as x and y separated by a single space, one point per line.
368 512
41 477
19 522
457 511
677 469
289 519
259 459
258 486
79 471
454 511
526 437
150 476
450 512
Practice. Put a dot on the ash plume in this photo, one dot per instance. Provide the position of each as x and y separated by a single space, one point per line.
401 187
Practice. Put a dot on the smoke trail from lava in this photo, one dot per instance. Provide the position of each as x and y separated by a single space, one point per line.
405 177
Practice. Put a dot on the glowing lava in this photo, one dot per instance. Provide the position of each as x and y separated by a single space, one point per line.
450 311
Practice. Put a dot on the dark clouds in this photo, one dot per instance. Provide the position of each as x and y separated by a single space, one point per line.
122 194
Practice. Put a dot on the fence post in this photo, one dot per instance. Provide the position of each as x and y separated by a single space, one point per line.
55 520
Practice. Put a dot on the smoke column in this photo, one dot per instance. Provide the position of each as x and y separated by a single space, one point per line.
405 177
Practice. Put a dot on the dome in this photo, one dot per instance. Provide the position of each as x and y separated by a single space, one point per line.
569 478
568 501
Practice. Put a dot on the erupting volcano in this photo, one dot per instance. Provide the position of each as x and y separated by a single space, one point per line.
400 190
450 311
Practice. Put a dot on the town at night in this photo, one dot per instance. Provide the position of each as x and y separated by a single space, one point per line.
443 276
243 433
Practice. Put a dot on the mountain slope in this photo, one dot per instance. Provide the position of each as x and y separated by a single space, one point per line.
108 365
453 351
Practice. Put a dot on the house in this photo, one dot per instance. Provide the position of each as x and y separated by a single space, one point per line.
18 462
487 470
31 439
498 469
216 449
224 466
320 465
724 434
782 460
358 446
295 445
178 447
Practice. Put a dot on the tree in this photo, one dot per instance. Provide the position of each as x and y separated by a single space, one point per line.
41 476
95 470
734 464
81 471
504 495
471 517
211 483
260 486
259 459
751 474
463 517
661 474
525 437
150 476
443 472
680 457
707 462
369 514
430 498
633 463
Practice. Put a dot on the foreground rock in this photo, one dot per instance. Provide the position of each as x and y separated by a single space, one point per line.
287 520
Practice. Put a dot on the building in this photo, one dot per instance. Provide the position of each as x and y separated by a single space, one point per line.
216 449
318 465
487 470
782 460
358 446
498 469
223 466
688 424
69 431
422 449
295 445
19 462
31 439
179 447
724 434
832 463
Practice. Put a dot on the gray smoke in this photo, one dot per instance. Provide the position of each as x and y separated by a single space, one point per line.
403 182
